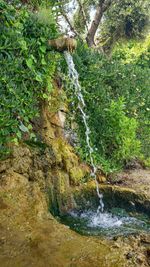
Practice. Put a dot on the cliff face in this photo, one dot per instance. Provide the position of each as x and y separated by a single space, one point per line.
30 236
51 163
34 180
40 177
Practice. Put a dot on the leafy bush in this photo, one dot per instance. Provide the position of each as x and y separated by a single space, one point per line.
117 127
128 19
119 138
27 69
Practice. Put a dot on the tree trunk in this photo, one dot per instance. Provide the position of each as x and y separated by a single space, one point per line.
69 23
101 8
94 26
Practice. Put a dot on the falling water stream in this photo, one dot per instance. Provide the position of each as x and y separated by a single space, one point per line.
74 78
98 221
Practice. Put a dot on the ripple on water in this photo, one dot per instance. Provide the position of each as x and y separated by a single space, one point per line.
116 222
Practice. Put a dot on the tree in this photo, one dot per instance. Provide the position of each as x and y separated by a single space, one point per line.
128 20
101 8
88 16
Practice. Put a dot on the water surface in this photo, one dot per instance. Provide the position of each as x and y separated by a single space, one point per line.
111 223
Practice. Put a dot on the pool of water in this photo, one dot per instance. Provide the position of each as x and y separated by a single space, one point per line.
114 222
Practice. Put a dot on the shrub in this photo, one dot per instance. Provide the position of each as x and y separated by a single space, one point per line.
27 69
119 137
105 81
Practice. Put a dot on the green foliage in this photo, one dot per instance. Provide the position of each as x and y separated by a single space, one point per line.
118 18
27 69
136 55
117 104
133 52
32 4
124 19
119 138
147 162
116 90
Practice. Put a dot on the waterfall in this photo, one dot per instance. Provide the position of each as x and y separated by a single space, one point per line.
74 79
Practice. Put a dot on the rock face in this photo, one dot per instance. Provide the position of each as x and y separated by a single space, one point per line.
51 162
45 176
29 234
114 196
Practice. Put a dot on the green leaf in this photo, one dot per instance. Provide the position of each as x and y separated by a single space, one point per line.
45 96
43 62
49 87
32 135
30 127
29 63
15 140
38 78
19 135
43 48
23 128
43 39
23 44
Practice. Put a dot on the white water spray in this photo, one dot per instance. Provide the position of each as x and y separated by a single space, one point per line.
74 78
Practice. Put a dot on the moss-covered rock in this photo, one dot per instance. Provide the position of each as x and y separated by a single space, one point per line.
60 196
76 174
41 177
66 158
114 196
30 236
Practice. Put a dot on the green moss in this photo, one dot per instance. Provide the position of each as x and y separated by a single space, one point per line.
57 100
76 174
64 153
60 195
147 162
36 144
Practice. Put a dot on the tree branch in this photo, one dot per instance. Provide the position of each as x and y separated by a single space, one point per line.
106 5
83 14
94 25
63 13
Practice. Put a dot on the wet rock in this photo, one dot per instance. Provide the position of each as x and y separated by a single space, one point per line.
34 237
59 119
140 259
134 164
148 255
14 181
116 245
148 252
